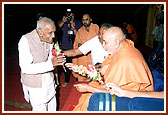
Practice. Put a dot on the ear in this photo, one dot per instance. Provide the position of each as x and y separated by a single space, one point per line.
90 20
40 32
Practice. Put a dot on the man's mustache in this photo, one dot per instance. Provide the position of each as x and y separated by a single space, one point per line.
86 25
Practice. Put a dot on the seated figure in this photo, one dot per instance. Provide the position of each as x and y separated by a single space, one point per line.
156 65
124 66
126 100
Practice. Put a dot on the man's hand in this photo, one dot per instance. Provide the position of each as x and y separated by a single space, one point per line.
115 89
58 60
72 24
64 19
71 66
72 52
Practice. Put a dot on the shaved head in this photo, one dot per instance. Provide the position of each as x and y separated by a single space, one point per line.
113 39
114 33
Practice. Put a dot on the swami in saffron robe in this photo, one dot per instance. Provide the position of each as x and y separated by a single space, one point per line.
127 68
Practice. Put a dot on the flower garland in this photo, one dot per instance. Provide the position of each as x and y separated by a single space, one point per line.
56 51
91 72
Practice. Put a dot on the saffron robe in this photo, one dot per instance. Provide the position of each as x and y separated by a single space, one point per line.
83 36
127 68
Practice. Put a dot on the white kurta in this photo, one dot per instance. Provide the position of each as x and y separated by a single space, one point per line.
40 95
98 53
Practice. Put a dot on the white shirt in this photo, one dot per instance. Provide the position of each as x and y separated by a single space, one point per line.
25 61
97 51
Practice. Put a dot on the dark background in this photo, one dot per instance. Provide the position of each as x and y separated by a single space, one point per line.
20 19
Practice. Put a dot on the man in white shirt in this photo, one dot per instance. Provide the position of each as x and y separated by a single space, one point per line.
37 63
94 46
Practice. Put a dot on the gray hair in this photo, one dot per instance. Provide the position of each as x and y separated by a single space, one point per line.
42 22
106 25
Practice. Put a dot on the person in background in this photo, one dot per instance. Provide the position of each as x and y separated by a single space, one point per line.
68 26
158 31
37 63
131 33
93 45
158 35
85 33
156 65
156 60
159 15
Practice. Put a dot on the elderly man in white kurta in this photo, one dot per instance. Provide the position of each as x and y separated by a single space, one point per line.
37 63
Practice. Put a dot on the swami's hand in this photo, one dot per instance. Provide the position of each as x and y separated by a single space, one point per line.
71 66
82 87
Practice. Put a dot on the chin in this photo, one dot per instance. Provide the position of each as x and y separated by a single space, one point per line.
50 42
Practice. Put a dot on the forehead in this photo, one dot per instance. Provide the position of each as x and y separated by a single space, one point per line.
106 35
50 27
85 16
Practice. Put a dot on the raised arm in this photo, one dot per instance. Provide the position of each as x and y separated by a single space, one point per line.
62 22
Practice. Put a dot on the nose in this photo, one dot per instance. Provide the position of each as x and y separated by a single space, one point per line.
84 22
53 35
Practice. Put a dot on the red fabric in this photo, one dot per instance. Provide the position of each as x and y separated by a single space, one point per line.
12 108
71 107
72 99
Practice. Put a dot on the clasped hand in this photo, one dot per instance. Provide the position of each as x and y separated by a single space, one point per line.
58 60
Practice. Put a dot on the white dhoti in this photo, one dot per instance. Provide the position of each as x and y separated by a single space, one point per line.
42 99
